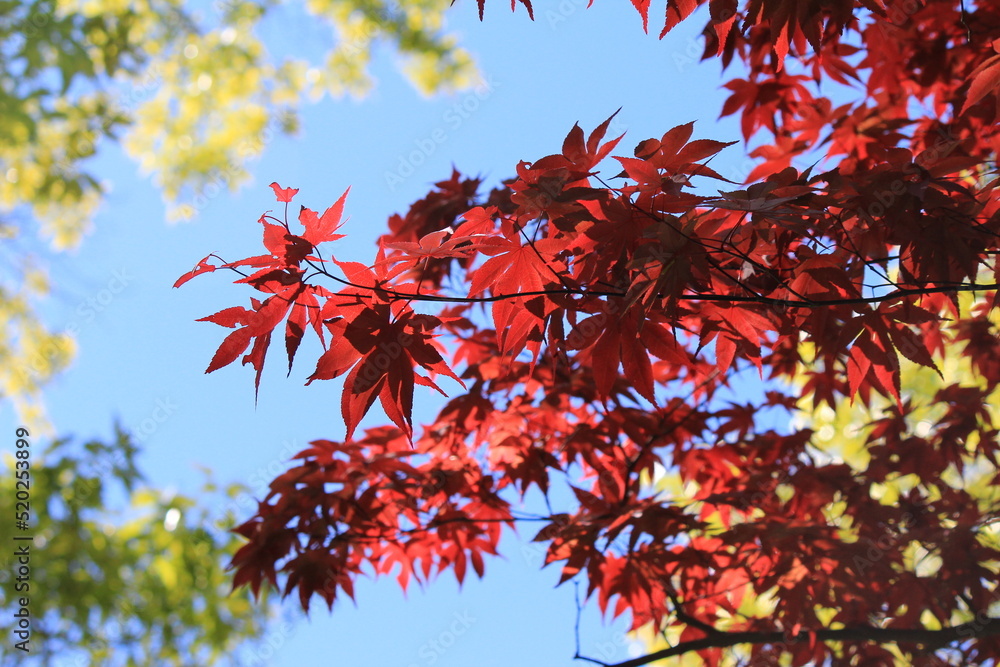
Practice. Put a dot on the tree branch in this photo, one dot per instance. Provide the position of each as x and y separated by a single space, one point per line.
985 627
725 298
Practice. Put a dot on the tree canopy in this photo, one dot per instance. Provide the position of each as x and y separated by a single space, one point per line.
595 317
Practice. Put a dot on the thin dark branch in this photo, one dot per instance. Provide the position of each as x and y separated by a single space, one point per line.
965 22
934 639
579 611
725 298
687 619
722 298
531 242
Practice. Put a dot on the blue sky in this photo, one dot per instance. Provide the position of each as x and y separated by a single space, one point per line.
142 355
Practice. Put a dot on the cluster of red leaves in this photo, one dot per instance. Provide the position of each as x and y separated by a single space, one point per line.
617 315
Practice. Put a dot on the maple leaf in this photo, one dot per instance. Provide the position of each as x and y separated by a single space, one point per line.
642 6
229 317
438 245
202 267
320 229
985 80
378 351
284 194
514 266
526 3
677 11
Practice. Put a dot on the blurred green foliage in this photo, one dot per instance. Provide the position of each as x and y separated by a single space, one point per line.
144 584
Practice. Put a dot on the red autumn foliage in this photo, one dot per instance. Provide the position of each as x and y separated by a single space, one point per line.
600 325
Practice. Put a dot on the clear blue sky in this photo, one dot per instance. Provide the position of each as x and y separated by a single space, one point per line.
143 349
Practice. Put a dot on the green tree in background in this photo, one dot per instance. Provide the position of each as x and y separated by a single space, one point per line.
191 94
143 585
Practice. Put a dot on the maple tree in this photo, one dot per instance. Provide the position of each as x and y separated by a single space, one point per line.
592 328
